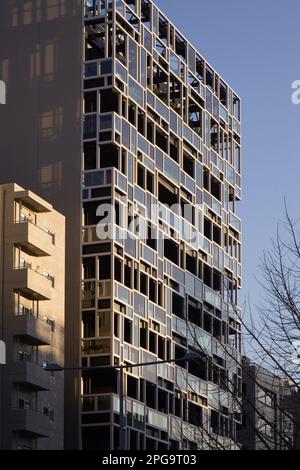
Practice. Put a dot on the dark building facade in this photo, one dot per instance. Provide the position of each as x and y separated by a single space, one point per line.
40 127
268 423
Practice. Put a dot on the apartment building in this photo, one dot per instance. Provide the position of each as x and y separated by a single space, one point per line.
268 422
32 240
134 118
161 143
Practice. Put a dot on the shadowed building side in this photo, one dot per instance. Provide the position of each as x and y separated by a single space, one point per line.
40 127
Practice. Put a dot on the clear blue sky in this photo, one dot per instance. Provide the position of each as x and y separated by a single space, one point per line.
255 46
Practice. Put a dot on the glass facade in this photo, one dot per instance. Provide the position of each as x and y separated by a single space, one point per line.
161 142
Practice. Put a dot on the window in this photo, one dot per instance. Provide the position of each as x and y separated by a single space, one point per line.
49 412
104 267
104 323
264 428
88 323
127 330
133 62
266 397
189 165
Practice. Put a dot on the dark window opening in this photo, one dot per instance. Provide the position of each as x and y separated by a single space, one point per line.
90 216
177 305
151 237
206 179
217 281
146 13
132 387
143 334
116 325
95 43
191 263
109 156
109 101
150 132
199 68
174 148
144 284
198 368
104 267
151 395
179 354
187 211
118 269
217 234
161 140
150 182
217 329
132 114
166 196
207 228
209 78
216 188
127 275
89 156
90 102
127 330
180 46
195 414
162 404
223 94
195 117
161 348
88 321
152 342
152 291
189 165
195 313
89 268
207 275
175 95
171 251
160 84
121 46
141 176
141 122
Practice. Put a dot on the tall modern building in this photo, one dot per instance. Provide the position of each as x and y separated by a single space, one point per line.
32 241
118 109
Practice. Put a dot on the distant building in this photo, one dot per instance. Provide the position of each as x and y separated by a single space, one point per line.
291 404
266 424
32 270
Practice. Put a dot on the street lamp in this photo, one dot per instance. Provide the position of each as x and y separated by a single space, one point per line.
122 436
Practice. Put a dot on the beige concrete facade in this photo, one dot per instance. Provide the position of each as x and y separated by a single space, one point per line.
32 317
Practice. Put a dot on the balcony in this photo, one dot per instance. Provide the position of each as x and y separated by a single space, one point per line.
32 284
32 239
33 330
30 374
31 422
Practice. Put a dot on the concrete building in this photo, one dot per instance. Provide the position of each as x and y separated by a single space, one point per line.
160 127
32 294
268 422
